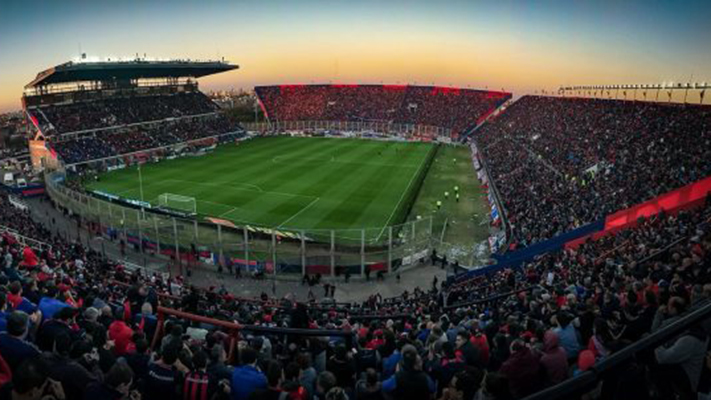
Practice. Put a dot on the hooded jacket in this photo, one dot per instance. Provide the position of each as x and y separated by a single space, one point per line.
523 369
554 359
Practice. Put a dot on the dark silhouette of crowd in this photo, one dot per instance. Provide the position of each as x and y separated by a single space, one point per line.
111 143
117 111
450 108
559 163
77 325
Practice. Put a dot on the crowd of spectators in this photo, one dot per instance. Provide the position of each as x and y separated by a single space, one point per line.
142 137
559 163
117 111
77 325
6 153
456 109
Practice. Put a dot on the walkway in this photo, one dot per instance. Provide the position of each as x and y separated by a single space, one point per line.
206 275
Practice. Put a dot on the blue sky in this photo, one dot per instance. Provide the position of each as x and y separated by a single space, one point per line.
517 45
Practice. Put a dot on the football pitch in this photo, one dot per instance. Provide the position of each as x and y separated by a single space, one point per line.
288 182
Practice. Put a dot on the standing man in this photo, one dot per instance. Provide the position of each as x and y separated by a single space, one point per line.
410 382
247 378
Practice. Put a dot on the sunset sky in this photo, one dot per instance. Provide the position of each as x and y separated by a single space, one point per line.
520 46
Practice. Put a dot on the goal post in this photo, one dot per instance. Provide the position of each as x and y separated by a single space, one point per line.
178 202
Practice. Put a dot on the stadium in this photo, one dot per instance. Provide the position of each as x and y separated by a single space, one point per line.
352 241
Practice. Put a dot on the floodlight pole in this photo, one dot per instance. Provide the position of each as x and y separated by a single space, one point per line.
140 181
140 186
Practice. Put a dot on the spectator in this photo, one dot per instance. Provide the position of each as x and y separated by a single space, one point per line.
554 360
681 364
342 366
369 388
197 381
291 383
469 353
523 370
165 375
247 378
325 382
274 378
116 385
121 334
62 323
64 365
410 382
567 333
307 375
219 374
13 346
31 381
139 361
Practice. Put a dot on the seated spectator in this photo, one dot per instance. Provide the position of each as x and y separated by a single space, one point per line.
64 365
554 359
13 344
523 370
31 381
121 334
61 323
568 335
115 386
680 365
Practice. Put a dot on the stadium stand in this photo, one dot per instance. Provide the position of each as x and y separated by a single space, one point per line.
118 111
559 163
457 109
532 328
625 315
136 138
84 111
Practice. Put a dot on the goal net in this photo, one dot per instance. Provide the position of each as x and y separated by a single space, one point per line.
177 202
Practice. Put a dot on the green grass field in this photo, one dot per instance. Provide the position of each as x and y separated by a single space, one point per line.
463 217
285 182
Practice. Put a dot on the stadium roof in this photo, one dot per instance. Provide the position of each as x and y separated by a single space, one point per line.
123 70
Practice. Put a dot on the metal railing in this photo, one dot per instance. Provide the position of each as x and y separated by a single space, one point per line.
24 240
586 381
250 247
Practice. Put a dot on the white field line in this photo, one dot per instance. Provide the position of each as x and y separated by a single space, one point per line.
137 189
402 196
220 184
236 187
276 160
227 212
300 211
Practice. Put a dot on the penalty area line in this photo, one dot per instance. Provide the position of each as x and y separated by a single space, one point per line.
299 212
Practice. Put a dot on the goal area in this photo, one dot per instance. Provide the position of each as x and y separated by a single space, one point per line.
173 201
